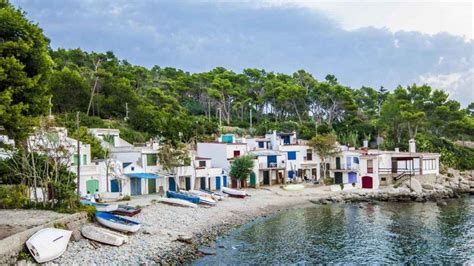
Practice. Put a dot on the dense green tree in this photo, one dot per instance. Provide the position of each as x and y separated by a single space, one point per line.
24 70
241 167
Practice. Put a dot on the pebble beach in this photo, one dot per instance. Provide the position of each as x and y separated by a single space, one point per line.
171 234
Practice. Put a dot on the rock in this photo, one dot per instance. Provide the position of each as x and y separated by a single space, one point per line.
414 185
441 203
206 251
188 239
427 186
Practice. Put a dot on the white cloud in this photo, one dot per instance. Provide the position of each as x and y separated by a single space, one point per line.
431 17
459 85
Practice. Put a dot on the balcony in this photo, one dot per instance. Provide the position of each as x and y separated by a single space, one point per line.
345 168
278 165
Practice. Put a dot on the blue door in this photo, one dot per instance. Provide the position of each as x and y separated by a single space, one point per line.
271 161
114 185
291 174
352 177
225 181
172 184
135 186
218 182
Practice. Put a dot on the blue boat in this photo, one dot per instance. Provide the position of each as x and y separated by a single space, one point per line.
117 222
177 195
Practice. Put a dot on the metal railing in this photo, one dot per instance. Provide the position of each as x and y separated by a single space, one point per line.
271 165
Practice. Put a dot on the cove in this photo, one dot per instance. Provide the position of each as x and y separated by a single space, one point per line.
378 233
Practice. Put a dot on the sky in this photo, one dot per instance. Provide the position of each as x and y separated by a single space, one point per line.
362 43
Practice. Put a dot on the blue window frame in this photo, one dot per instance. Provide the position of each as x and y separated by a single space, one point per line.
291 155
356 160
261 144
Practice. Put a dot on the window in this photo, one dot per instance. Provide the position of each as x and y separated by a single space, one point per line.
75 159
356 160
84 159
429 164
291 155
202 164
370 166
261 144
236 153
309 154
151 159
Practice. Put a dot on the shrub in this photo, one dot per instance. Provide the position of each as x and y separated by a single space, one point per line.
14 196
342 186
328 181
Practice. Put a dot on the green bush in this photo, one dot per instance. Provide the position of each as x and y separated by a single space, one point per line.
328 181
14 196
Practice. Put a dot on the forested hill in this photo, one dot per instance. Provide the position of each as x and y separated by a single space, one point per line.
178 106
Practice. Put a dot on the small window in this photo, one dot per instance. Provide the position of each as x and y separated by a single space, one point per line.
309 154
261 144
151 159
292 155
236 153
202 163
75 159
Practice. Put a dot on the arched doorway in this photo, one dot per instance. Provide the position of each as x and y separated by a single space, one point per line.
367 182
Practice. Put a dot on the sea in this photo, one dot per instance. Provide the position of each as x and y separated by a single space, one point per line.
354 233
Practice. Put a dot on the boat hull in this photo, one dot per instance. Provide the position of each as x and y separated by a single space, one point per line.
103 236
234 193
178 202
126 210
117 223
48 244
176 195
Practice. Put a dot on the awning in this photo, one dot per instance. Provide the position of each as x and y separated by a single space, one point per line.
143 175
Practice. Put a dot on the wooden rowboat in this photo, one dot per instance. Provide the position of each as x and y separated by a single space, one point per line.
103 235
117 223
178 202
126 210
234 193
48 244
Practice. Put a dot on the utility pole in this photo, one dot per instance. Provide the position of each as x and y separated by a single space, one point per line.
79 157
220 118
250 104
126 111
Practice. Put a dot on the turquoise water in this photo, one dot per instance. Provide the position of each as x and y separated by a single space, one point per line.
380 233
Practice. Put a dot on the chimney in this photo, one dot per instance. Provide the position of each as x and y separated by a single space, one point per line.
397 149
365 144
412 145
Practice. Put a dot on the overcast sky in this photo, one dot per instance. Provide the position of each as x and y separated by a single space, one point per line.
372 43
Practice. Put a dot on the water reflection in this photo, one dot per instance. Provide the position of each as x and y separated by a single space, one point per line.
355 233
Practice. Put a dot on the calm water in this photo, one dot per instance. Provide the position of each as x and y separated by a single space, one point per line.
355 233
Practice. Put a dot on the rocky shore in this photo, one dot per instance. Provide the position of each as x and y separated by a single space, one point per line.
171 235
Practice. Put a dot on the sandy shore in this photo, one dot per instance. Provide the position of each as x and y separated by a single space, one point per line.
163 225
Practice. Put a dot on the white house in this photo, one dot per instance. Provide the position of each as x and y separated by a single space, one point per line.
381 168
344 167
269 167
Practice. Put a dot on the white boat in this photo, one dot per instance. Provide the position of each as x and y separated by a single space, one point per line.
48 244
205 194
293 187
117 222
203 197
234 193
178 202
101 207
103 235
207 201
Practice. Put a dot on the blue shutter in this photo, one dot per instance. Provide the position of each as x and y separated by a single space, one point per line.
292 155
